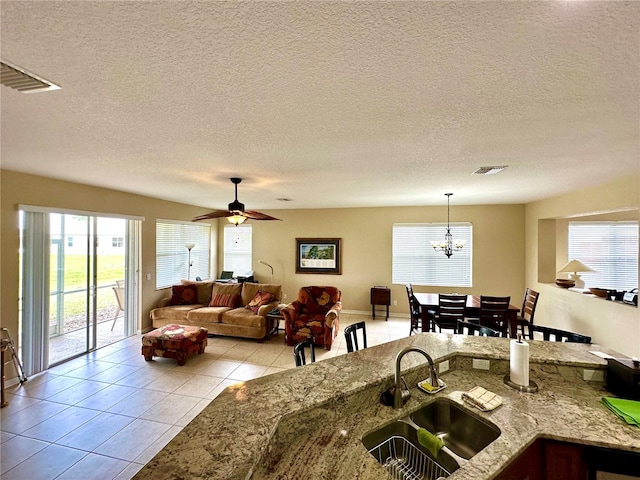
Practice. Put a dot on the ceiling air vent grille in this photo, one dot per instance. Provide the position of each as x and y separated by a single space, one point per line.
22 80
489 170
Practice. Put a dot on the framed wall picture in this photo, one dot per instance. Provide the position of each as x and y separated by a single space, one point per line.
319 255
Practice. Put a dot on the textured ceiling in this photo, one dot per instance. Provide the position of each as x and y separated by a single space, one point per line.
331 104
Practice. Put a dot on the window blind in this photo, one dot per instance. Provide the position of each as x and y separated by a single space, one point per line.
172 255
237 248
415 261
610 248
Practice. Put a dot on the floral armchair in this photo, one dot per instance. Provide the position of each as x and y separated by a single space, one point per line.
315 313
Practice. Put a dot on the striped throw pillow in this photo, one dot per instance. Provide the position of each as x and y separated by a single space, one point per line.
224 300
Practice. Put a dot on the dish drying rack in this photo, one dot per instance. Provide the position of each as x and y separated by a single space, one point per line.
403 461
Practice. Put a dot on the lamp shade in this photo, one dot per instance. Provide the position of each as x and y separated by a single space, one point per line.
576 266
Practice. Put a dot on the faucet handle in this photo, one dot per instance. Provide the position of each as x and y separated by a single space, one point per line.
387 397
406 387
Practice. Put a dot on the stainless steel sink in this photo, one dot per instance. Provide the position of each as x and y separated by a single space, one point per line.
397 448
461 429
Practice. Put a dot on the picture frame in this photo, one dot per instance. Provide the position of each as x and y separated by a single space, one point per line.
319 255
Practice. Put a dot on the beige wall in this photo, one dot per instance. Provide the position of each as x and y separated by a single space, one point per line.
498 257
610 324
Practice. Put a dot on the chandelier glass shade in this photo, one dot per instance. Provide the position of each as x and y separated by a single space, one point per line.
448 245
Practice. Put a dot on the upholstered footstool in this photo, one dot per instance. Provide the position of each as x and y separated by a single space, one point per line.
174 341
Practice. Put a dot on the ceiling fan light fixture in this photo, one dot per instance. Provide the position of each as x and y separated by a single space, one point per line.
236 218
236 214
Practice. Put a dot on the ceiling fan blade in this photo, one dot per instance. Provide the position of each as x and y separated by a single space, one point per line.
213 214
253 215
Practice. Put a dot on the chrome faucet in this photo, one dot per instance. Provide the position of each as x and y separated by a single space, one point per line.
399 395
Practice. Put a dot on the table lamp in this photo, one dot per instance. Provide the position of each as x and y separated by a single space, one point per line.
573 268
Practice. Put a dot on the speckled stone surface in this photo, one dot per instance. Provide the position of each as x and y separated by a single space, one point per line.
309 422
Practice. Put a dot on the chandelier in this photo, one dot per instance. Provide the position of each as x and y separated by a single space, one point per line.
448 245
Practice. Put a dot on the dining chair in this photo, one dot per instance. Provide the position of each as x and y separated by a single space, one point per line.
493 313
351 336
451 310
528 311
468 328
119 292
298 351
415 311
556 335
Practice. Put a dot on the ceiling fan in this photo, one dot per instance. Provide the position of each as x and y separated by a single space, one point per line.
236 213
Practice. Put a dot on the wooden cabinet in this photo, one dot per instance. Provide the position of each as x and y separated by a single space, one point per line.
527 466
547 460
380 296
564 461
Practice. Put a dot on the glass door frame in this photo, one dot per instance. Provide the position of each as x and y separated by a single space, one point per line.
35 272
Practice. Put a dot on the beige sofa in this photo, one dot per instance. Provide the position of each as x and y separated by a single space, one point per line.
236 321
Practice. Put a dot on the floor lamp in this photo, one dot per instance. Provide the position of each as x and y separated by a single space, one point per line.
189 247
265 263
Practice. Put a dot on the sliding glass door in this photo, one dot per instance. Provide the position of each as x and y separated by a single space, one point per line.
79 284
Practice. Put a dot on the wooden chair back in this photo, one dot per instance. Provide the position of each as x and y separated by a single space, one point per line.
451 310
529 304
556 335
493 313
415 311
298 352
351 336
525 317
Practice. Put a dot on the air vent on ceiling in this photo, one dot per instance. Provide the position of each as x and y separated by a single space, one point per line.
489 170
22 80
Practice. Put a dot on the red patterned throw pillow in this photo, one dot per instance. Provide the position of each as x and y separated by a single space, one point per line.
259 299
224 300
184 295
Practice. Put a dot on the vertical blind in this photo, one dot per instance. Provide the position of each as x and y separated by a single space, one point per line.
610 248
237 248
415 261
172 255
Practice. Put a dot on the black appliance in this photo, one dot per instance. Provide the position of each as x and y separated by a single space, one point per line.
623 377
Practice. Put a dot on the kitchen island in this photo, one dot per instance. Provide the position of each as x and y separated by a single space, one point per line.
309 422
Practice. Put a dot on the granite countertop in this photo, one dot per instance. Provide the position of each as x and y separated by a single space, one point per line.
309 422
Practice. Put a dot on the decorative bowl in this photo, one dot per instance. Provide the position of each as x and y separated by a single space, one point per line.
565 282
599 292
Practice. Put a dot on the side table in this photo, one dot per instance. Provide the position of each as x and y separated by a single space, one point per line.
380 296
273 322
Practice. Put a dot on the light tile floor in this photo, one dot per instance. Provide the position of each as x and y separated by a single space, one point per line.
104 415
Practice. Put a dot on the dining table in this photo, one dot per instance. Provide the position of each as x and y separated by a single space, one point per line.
429 301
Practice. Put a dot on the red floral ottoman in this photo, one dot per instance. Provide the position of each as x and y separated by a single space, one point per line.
174 341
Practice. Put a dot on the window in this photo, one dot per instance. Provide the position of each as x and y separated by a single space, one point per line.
610 248
237 248
117 241
415 261
172 254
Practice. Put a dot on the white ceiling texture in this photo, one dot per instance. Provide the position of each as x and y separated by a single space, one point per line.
329 104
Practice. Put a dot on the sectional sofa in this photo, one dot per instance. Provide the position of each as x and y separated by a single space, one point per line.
232 309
